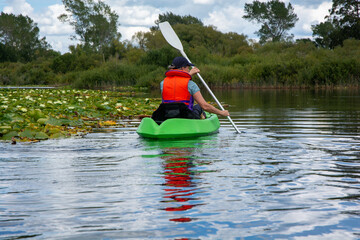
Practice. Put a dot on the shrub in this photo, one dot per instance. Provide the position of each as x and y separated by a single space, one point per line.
95 78
216 75
159 57
151 78
273 64
75 62
64 63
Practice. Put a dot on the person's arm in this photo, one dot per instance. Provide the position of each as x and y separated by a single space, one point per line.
208 107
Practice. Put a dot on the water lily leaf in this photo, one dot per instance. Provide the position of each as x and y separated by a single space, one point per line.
16 126
66 122
103 107
108 123
36 114
17 118
42 121
52 130
41 136
10 135
57 135
54 121
23 109
77 111
5 127
78 122
5 118
27 133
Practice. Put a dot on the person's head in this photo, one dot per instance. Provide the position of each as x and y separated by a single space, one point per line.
180 63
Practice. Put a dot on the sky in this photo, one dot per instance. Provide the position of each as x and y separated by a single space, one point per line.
140 15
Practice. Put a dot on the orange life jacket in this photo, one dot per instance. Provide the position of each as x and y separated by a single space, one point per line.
175 88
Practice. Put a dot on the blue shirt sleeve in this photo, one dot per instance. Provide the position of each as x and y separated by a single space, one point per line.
193 88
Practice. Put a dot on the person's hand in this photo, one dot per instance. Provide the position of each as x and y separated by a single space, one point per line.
194 71
225 113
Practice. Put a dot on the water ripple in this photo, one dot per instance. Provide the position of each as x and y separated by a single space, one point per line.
294 173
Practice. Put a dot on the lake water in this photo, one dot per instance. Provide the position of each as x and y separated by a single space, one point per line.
294 173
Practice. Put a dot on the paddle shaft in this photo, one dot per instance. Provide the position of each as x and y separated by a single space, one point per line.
171 37
211 93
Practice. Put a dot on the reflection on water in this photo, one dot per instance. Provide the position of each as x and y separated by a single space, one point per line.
293 174
179 182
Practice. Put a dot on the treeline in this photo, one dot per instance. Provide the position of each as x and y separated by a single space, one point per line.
225 59
224 62
299 64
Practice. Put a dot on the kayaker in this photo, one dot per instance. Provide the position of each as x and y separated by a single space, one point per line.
178 93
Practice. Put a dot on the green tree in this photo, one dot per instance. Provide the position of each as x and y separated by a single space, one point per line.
234 43
275 17
176 19
19 39
154 39
94 23
342 23
142 38
149 40
346 13
327 34
199 41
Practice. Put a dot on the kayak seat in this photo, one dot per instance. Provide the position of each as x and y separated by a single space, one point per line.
172 110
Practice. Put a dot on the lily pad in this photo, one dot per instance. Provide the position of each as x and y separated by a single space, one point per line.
36 114
51 130
54 122
41 136
57 135
5 129
42 121
27 133
10 135
62 113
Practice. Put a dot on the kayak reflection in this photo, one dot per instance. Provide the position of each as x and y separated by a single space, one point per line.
179 183
182 166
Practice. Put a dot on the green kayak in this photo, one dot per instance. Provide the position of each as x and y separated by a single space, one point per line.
179 127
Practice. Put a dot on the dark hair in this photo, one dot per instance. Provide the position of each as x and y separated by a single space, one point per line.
172 66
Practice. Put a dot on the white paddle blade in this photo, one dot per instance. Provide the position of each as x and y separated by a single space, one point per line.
170 36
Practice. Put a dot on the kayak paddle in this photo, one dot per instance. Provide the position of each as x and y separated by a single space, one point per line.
171 37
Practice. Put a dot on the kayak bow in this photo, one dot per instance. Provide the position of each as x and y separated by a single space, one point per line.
179 127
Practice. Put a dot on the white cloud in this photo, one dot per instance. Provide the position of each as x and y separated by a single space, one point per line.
60 43
136 15
18 7
230 19
226 15
56 33
128 32
310 16
134 19
49 23
203 1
